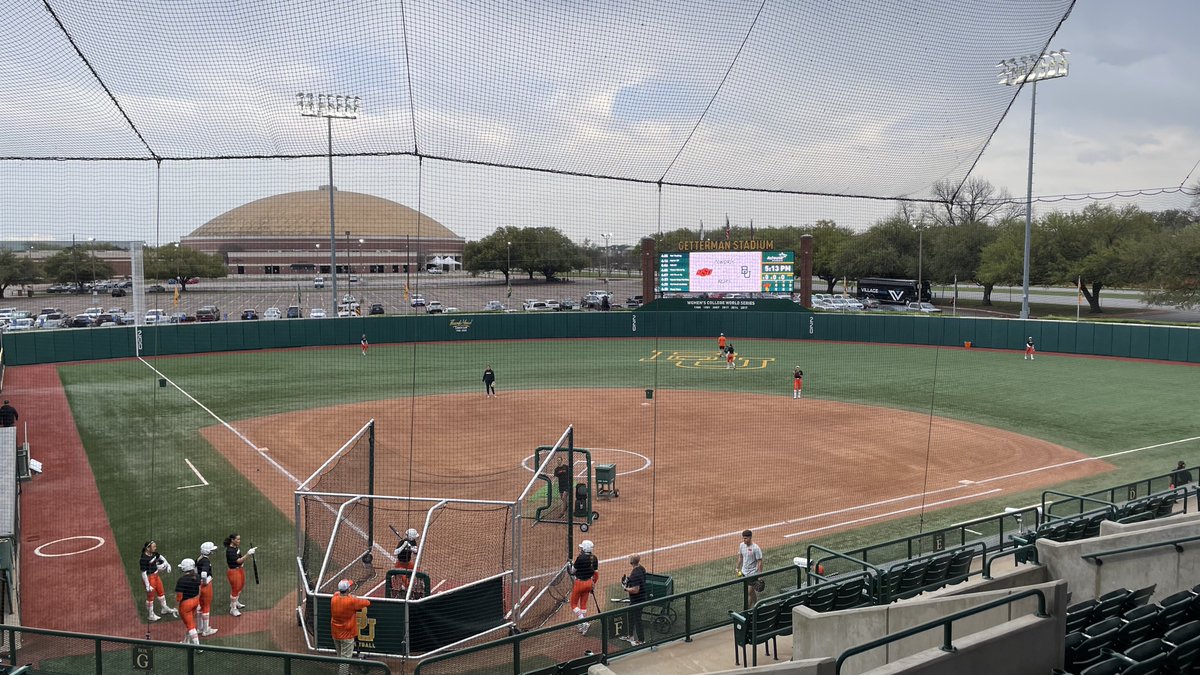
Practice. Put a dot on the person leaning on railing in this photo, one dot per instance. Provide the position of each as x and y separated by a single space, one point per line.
1180 476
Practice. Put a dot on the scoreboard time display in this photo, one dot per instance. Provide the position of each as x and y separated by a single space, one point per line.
726 272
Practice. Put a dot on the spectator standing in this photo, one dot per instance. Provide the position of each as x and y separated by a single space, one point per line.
8 415
750 562
635 586
562 473
1180 476
343 622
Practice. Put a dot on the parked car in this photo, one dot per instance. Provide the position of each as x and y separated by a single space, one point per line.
154 316
249 315
19 325
106 319
272 313
493 306
182 317
354 278
208 314
418 300
293 312
434 270
60 288
376 309
535 306
81 321
434 307
595 299
634 302
319 282
157 288
553 305
316 313
118 292
922 307
869 303
566 303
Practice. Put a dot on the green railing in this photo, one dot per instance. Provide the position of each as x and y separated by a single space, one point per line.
947 625
675 617
65 653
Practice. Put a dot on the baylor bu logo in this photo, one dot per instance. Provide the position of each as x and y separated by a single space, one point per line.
366 629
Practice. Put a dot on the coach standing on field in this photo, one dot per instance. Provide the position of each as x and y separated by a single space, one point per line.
489 381
343 622
8 415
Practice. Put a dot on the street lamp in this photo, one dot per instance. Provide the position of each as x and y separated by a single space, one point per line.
92 246
508 269
330 106
920 258
1015 72
606 256
361 241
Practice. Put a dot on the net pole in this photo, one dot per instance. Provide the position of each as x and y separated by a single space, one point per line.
370 482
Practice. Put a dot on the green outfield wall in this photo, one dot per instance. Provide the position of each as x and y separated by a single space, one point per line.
1167 343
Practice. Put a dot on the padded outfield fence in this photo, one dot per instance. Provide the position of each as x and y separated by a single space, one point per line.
481 568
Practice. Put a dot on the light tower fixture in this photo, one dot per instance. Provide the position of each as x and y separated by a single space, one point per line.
1016 72
330 106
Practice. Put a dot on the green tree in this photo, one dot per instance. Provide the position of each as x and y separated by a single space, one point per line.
829 242
548 252
492 253
887 249
16 270
955 253
1089 247
76 265
182 263
1173 262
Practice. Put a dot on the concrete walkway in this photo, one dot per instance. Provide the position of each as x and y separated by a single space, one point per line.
708 652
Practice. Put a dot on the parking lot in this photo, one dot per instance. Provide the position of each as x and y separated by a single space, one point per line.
457 292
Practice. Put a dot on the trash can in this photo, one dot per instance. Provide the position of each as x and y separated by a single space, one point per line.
606 481
967 344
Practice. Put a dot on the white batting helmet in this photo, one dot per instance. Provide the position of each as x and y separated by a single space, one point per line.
207 547
187 565
411 534
586 545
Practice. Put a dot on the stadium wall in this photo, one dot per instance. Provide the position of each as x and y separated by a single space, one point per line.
1166 343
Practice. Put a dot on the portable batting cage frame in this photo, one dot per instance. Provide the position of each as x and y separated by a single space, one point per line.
501 570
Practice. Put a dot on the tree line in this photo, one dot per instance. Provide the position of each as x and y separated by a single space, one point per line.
79 265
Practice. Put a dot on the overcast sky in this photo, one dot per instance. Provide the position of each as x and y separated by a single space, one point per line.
873 98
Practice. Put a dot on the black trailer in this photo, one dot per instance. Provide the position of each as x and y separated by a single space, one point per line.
894 291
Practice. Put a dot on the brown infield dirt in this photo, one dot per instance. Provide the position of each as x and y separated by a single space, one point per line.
694 468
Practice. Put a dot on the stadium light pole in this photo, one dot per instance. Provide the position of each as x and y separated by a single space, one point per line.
92 246
330 106
607 252
1015 72
508 269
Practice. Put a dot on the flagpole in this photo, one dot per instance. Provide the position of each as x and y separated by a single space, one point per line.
1078 297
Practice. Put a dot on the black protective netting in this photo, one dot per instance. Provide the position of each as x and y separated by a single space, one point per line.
348 472
680 92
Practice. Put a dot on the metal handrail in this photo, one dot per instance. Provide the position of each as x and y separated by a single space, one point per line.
12 653
946 622
987 562
1081 498
816 564
1095 557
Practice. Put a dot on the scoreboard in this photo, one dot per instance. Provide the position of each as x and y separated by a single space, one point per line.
726 272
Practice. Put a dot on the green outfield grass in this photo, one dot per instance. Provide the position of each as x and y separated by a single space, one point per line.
137 434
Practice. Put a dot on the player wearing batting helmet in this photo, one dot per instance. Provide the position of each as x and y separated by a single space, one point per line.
204 570
406 557
586 570
187 594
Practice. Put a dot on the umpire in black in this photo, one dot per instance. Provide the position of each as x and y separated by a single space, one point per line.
635 586
8 415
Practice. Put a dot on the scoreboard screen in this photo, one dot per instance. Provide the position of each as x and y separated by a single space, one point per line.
726 272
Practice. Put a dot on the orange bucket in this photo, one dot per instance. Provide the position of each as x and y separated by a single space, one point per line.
967 344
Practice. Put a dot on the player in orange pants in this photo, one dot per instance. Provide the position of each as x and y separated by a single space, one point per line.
1029 350
798 383
204 568
406 559
586 570
236 573
151 563
187 594
721 343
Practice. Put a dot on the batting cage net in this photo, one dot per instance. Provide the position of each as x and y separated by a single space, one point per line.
442 573
320 499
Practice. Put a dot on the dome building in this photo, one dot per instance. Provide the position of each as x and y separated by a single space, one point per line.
289 234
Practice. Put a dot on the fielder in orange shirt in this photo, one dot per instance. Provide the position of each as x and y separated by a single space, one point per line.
721 343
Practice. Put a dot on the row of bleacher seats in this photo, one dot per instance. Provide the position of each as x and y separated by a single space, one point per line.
1122 633
772 616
